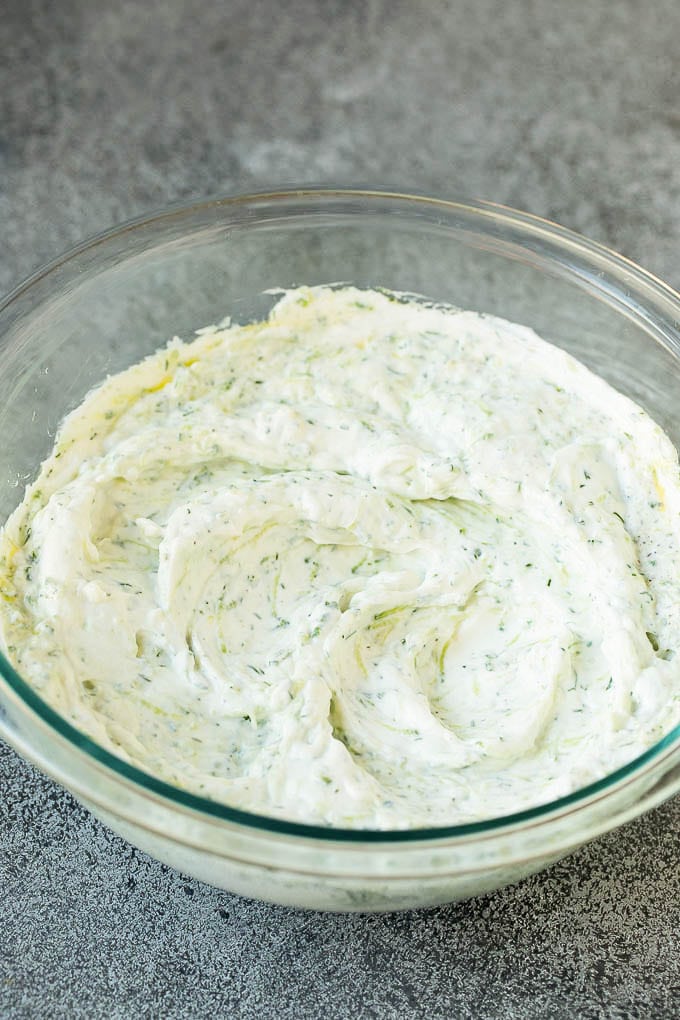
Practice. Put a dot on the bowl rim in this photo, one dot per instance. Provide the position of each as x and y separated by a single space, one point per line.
145 783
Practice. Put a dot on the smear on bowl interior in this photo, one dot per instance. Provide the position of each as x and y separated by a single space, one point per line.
367 563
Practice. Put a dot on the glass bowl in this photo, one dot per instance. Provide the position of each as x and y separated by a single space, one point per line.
123 294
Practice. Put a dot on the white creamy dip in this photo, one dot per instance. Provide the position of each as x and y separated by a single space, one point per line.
368 563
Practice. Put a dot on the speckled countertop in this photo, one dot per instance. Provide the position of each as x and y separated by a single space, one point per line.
109 110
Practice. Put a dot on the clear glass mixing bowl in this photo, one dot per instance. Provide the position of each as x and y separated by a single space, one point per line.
122 295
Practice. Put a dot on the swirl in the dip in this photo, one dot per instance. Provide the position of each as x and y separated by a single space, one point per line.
368 563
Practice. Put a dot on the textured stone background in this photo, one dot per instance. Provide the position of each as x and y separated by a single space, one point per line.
108 110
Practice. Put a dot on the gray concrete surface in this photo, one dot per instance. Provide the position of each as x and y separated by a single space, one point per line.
108 110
